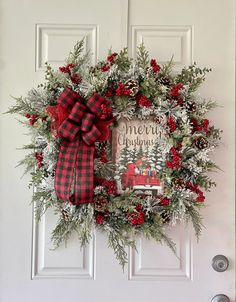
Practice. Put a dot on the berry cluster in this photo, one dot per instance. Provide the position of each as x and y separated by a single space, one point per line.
32 118
39 157
110 61
143 101
171 123
200 126
106 111
195 189
122 90
175 90
67 69
174 163
137 216
155 67
164 201
111 57
110 185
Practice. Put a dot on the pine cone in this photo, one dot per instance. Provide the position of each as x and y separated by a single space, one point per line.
179 183
191 106
160 119
201 143
165 217
100 203
164 81
133 86
65 214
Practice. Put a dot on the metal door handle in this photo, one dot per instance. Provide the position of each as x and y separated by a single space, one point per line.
220 263
220 298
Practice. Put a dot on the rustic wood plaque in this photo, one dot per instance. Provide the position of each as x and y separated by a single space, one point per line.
134 146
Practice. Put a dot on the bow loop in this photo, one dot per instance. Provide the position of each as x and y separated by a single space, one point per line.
68 98
94 103
77 112
68 130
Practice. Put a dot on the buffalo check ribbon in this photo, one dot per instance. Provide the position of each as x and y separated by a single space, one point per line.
78 133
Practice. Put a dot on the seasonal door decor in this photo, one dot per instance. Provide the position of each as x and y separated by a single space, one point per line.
122 146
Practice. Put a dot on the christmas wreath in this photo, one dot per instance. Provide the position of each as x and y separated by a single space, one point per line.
123 146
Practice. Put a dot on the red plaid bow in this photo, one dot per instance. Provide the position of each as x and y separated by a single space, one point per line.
74 172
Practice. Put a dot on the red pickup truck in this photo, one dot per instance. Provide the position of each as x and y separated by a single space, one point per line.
135 177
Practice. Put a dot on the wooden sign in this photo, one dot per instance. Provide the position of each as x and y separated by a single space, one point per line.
134 145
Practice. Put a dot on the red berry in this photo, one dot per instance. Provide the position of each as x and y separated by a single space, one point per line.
139 207
133 221
164 201
99 219
75 79
105 67
140 220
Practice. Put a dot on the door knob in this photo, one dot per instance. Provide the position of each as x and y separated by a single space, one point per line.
220 298
220 263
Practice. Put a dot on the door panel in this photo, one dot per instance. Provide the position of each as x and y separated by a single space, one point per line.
157 263
192 32
39 31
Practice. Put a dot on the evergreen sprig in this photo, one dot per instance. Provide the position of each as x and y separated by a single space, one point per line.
193 214
22 107
122 61
63 231
142 56
192 76
42 200
167 68
28 162
76 53
119 240
80 223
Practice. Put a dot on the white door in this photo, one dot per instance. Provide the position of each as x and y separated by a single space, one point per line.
33 32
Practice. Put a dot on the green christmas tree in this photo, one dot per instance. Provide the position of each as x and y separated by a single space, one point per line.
155 157
140 152
134 154
125 158
147 153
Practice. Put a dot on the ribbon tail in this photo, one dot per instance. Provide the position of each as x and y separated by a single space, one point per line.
84 180
65 170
